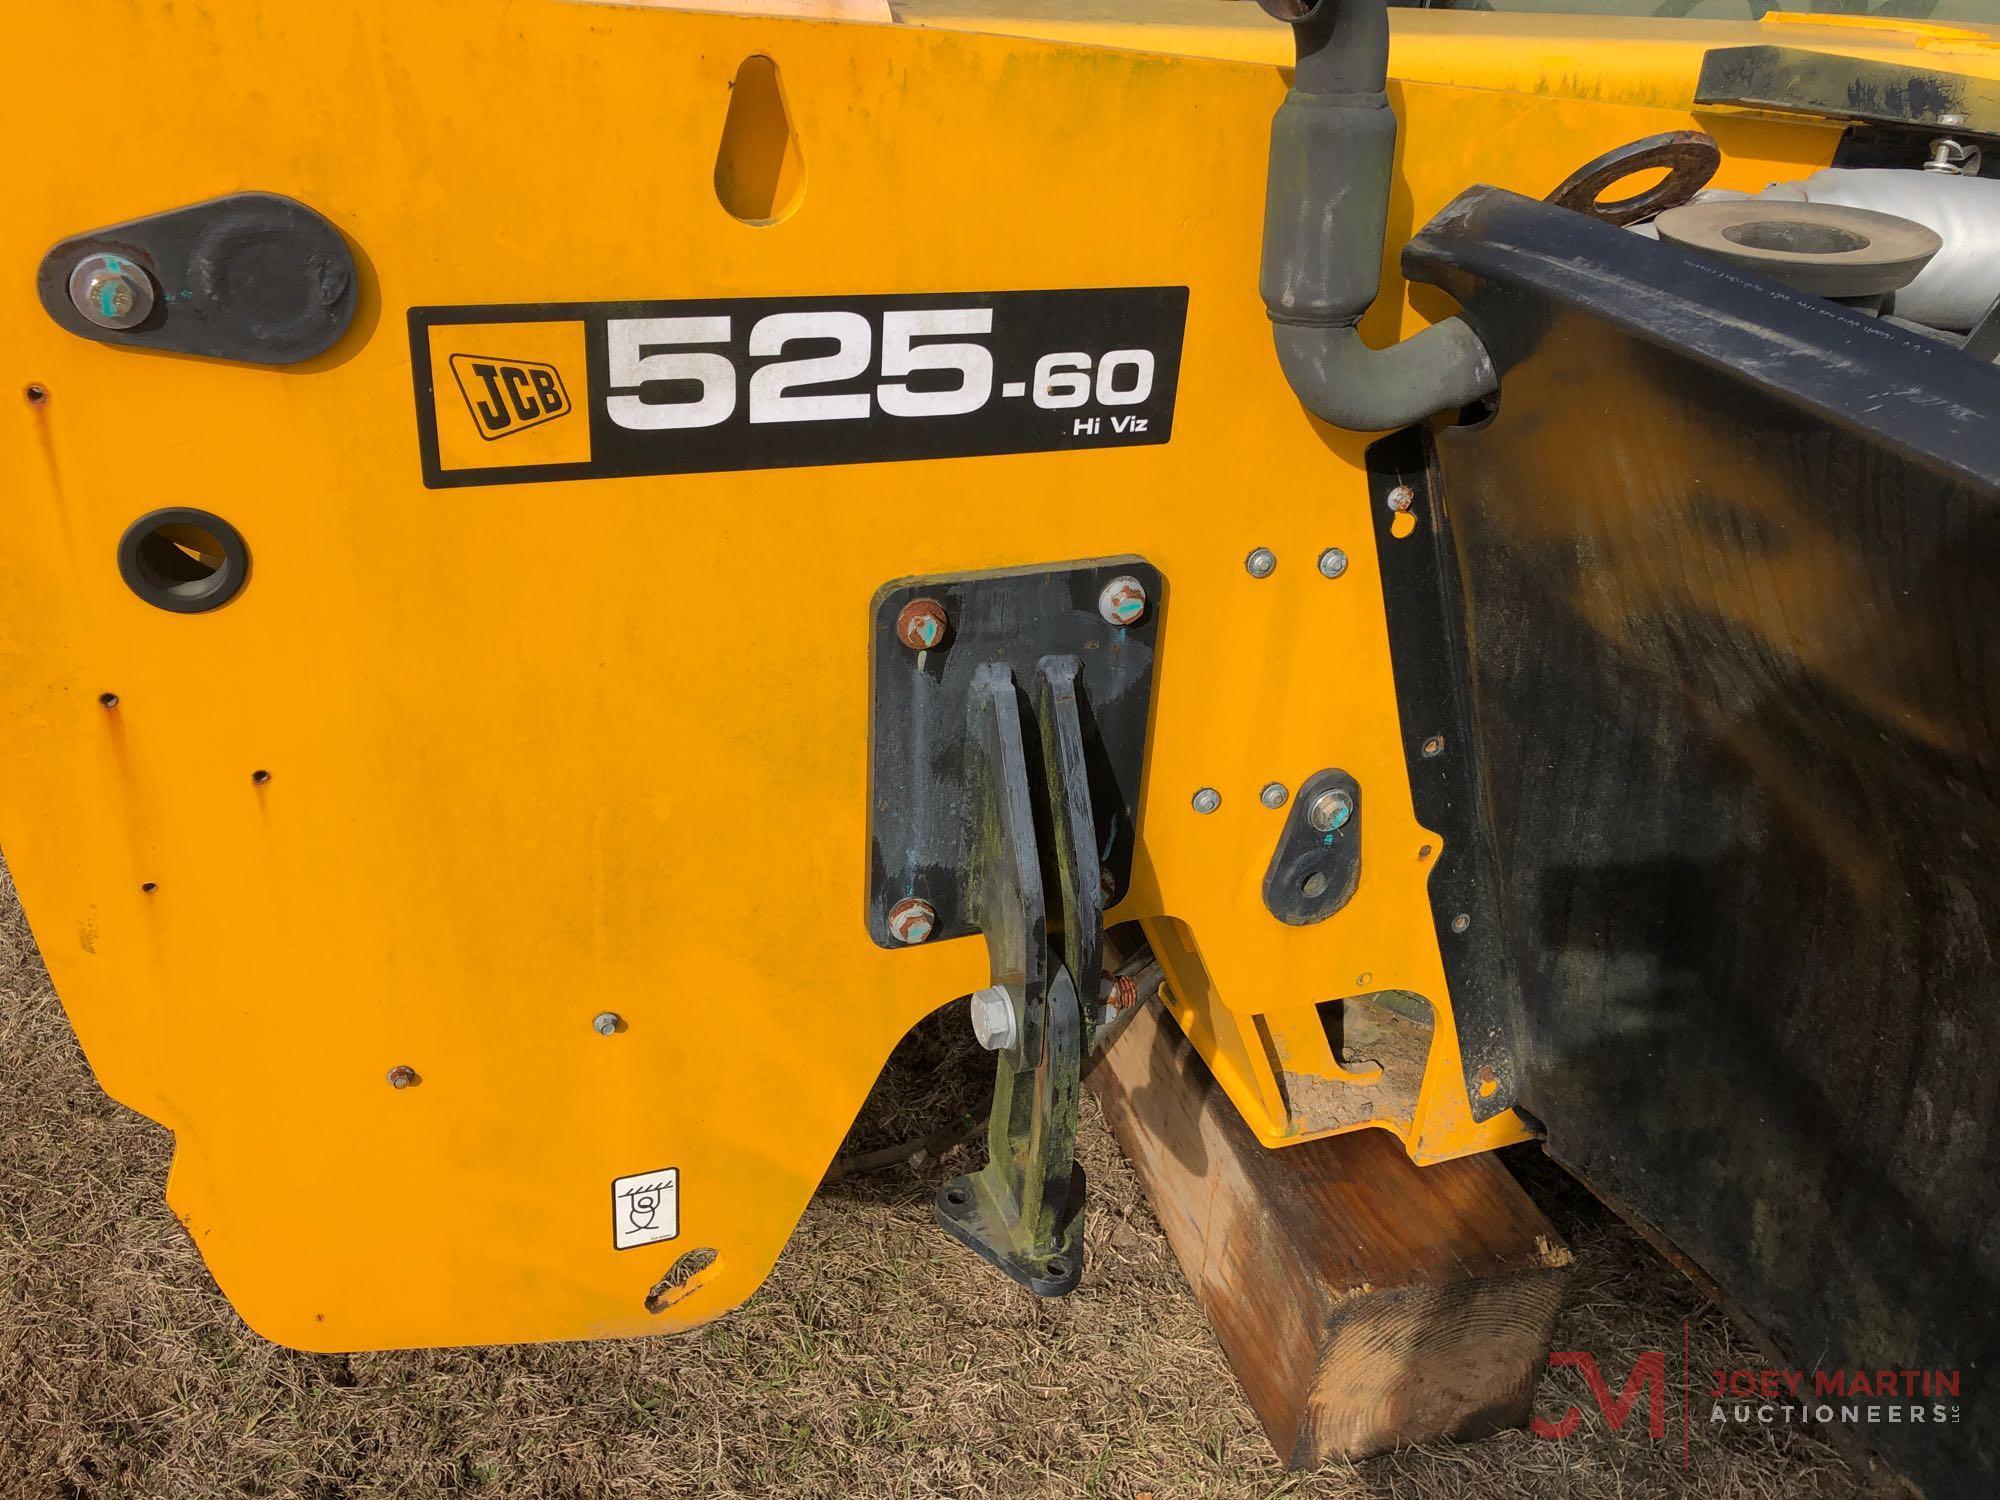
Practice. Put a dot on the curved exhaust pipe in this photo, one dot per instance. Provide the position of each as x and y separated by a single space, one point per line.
1326 214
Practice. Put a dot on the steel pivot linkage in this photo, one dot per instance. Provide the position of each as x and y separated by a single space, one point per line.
1004 803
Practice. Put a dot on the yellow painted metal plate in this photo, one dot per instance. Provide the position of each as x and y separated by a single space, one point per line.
539 751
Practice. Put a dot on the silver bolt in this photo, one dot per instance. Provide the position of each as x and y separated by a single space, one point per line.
1953 157
994 1020
911 920
111 291
1332 563
1207 800
401 1077
1330 811
606 1023
1274 794
1261 562
1402 497
1123 601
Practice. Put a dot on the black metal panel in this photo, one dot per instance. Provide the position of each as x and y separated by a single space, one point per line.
1799 81
254 277
1729 555
1422 600
919 803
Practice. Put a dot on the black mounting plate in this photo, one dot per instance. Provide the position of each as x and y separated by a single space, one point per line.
256 277
1312 875
919 812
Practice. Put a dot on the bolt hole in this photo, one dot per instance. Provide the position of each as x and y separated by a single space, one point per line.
1401 524
260 777
1488 1084
957 1197
679 1280
109 700
1424 852
149 886
183 560
37 394
1314 885
1433 746
1460 922
1056 1266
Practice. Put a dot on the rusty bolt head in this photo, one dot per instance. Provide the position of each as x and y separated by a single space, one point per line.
1330 811
401 1077
1402 497
1123 601
921 625
111 291
911 920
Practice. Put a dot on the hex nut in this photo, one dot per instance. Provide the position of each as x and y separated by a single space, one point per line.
1123 601
1330 810
112 291
995 1020
1274 794
1402 497
1332 563
912 920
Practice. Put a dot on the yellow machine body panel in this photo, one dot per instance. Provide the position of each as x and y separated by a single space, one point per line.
464 767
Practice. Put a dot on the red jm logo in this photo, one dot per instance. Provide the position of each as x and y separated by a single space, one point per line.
1649 1375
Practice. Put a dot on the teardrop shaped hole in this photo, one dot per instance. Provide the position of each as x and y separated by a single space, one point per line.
760 173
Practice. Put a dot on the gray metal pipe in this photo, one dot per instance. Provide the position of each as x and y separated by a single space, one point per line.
1326 214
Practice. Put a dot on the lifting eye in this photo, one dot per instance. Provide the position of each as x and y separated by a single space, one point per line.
183 560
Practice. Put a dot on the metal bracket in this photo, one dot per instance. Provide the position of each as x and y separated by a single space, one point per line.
1422 595
254 276
1042 803
920 796
1314 870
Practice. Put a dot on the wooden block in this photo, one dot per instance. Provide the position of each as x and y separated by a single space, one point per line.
1365 1303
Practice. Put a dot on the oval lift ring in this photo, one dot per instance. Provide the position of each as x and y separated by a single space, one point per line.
1689 156
184 560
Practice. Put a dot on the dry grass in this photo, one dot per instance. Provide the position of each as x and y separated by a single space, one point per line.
879 1360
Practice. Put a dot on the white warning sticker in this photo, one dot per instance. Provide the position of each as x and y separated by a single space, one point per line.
645 1208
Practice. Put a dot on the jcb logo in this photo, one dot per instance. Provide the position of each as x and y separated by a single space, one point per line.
507 396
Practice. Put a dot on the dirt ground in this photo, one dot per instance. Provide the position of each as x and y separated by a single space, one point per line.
880 1359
